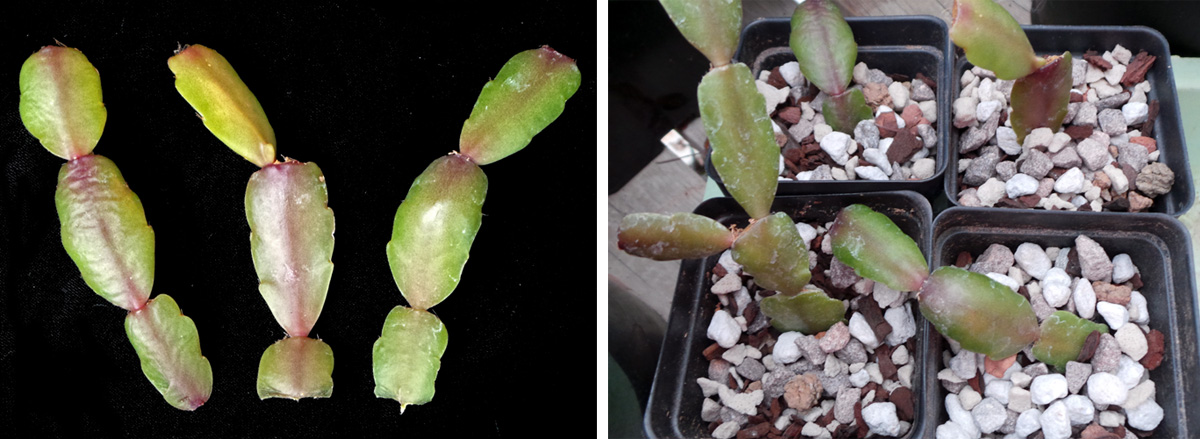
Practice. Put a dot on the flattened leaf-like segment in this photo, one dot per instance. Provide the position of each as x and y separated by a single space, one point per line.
291 240
774 253
1062 337
824 45
294 368
981 314
710 25
434 229
877 249
846 110
61 103
1040 99
229 110
530 91
992 39
809 312
666 237
406 358
168 345
744 151
104 231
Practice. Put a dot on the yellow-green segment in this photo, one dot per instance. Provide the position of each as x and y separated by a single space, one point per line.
530 91
710 25
168 345
294 368
228 108
407 356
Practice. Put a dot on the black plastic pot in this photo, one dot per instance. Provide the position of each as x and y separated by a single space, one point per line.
902 44
1168 127
675 398
1158 245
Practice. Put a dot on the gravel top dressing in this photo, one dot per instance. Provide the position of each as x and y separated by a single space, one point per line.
1104 391
852 380
1105 156
898 144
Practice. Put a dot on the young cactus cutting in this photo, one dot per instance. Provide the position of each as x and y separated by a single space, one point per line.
745 154
438 220
104 228
291 225
826 51
993 40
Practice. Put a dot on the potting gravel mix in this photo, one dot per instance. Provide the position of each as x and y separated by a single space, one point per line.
1104 157
853 380
900 143
1106 392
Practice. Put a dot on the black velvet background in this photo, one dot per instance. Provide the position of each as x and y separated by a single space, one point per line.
372 95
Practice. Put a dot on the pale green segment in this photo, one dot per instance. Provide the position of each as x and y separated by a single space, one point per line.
294 368
774 253
824 45
846 110
530 91
434 229
744 151
168 345
992 39
291 240
104 231
809 312
407 356
1062 337
61 103
677 236
871 244
710 25
229 110
983 315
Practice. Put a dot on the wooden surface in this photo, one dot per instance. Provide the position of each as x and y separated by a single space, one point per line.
667 185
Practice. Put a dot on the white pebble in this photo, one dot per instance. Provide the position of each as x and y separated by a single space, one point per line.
1106 389
1047 388
870 173
1020 185
1146 416
1006 139
989 415
1139 394
903 325
726 430
1085 299
860 378
1080 409
990 192
1138 311
1130 372
899 94
1032 259
1132 341
1111 419
1028 422
860 329
786 350
881 416
726 331
1071 182
1123 268
1056 423
1114 315
968 397
791 73
961 416
837 145
771 95
1135 112
1007 281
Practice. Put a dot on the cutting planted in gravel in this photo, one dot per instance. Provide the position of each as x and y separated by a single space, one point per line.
1058 133
1088 373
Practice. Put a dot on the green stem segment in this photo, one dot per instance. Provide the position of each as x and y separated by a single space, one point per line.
291 225
104 228
437 222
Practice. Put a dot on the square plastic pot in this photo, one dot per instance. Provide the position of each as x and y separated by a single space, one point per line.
675 399
1159 247
901 44
1168 127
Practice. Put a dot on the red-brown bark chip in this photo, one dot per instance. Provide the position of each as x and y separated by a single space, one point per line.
903 147
790 114
887 124
974 382
1030 200
1079 132
911 115
883 355
755 431
964 259
902 397
1135 72
1097 60
1089 347
928 81
775 79
793 431
874 316
1154 352
1075 97
1151 114
713 352
1095 431
863 429
1148 142
1135 282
